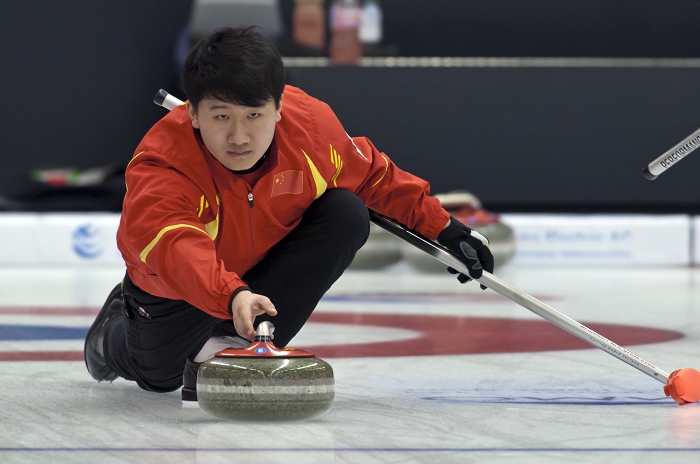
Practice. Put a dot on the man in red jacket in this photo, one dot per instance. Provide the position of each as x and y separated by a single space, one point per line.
244 205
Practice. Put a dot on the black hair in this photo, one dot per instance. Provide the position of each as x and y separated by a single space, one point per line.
239 66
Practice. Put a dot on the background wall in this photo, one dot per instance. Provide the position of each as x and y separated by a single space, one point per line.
527 138
78 78
619 28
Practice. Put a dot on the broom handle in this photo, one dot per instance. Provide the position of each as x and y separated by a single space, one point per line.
519 297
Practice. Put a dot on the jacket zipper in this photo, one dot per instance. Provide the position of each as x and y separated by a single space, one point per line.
250 221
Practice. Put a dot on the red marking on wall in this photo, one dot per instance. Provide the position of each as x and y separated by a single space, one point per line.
481 297
47 311
41 356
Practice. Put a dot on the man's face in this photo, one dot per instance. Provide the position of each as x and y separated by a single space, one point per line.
237 136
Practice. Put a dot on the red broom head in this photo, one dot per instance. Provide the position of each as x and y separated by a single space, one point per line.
683 386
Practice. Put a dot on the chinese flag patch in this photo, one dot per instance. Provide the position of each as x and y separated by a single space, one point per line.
288 182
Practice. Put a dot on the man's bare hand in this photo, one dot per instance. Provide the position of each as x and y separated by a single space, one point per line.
245 307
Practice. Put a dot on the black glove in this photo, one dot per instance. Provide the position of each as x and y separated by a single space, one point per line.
469 246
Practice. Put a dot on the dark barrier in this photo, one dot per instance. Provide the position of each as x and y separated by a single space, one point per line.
568 136
78 78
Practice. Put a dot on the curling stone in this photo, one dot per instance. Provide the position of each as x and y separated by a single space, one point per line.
380 250
264 383
466 208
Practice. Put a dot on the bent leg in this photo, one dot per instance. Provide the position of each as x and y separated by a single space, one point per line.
151 341
151 346
298 271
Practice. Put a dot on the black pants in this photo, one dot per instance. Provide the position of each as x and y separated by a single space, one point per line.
151 342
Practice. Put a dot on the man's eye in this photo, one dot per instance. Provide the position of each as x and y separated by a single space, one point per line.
222 116
254 115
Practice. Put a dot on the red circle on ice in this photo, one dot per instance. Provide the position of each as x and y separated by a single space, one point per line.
439 335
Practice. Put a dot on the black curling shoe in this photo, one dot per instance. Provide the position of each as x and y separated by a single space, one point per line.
94 341
189 381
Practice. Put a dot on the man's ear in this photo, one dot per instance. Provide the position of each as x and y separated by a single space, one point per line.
192 112
279 108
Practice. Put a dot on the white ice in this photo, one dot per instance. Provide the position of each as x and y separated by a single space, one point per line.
558 406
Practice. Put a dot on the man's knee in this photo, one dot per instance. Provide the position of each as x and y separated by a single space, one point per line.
346 212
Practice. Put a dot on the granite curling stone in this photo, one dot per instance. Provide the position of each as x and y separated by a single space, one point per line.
263 383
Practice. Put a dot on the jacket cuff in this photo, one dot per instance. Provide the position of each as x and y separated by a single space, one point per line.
233 295
436 225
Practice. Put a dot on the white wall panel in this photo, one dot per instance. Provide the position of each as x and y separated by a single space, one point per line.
601 239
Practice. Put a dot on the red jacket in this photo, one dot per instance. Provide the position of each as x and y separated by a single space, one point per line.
188 229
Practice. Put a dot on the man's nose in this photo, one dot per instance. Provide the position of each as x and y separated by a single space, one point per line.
238 135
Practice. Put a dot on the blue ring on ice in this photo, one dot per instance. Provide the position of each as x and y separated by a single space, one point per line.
38 332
